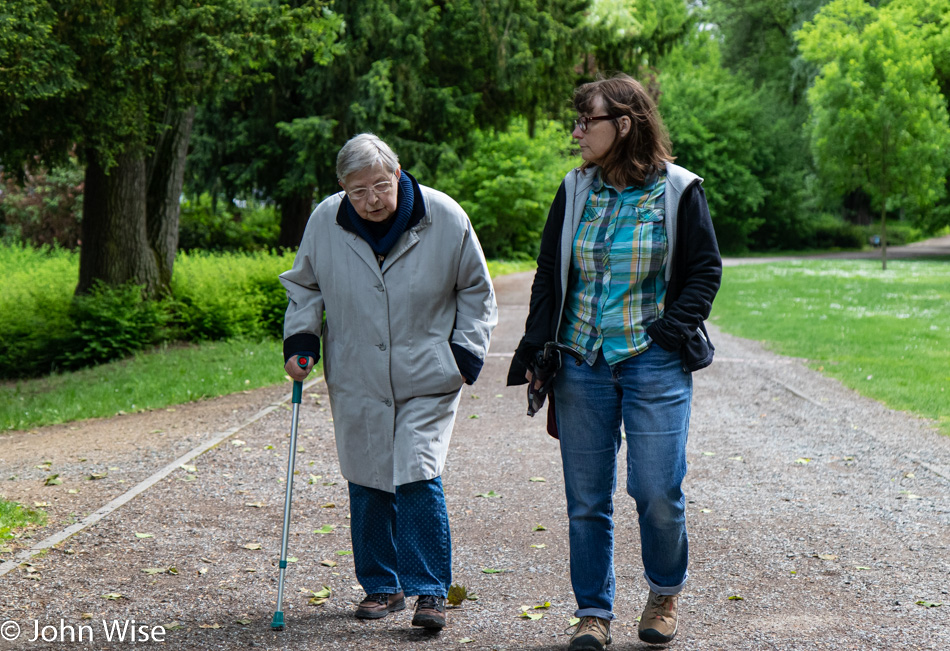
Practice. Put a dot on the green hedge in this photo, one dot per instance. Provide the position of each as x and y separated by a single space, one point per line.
43 328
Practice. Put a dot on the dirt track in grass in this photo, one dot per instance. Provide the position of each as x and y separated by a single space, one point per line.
817 519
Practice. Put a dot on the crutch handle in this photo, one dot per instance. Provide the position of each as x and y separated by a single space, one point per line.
298 385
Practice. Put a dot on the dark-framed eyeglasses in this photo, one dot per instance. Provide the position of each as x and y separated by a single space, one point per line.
361 194
584 121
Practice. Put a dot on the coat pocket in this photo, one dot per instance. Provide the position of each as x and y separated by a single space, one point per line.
697 352
435 372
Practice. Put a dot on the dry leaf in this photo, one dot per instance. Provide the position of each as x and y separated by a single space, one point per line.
252 546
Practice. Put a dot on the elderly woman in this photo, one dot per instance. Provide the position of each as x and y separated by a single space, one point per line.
396 269
627 273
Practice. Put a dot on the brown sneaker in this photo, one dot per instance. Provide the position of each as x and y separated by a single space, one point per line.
380 604
658 621
591 634
430 612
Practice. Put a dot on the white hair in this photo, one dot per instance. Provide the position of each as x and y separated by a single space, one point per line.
362 152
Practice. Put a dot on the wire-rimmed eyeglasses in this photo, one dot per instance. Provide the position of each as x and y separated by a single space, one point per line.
361 194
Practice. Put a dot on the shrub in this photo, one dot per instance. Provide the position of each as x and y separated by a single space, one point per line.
827 231
225 295
46 209
225 227
506 186
111 323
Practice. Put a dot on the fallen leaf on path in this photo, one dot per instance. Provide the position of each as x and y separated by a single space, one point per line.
541 546
489 570
539 527
537 479
574 621
458 594
40 504
242 622
187 467
238 442
53 480
112 596
173 626
256 505
328 505
802 460
546 604
488 494
86 616
215 625
736 597
826 557
328 563
144 535
466 640
344 552
252 546
928 604
327 528
98 475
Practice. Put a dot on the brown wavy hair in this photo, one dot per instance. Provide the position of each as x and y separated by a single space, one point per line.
646 148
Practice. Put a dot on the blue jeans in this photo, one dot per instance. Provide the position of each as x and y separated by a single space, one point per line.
401 540
651 394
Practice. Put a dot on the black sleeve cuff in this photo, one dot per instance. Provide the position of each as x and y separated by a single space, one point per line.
469 364
303 342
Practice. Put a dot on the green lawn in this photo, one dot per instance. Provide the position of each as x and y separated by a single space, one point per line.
150 380
885 334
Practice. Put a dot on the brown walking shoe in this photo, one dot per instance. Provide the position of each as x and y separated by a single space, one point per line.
430 612
591 634
380 604
658 621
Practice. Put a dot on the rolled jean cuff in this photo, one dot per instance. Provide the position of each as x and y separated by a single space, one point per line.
438 591
666 590
594 612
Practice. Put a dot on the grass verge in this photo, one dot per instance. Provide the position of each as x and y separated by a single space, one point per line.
885 334
16 516
163 376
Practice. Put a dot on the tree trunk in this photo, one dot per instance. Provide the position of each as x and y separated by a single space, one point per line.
884 235
166 176
115 245
294 213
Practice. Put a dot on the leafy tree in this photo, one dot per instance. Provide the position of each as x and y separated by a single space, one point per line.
423 75
878 120
118 79
714 120
507 184
630 35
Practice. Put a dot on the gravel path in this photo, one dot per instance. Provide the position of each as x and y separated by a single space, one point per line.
818 519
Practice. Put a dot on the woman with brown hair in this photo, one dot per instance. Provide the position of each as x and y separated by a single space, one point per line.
627 273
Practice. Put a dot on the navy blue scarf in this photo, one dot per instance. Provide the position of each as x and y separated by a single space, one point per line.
404 205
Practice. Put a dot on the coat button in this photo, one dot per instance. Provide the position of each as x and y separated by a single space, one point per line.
388 402
381 346
379 288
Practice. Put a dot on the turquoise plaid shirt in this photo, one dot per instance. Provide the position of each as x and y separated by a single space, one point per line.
616 284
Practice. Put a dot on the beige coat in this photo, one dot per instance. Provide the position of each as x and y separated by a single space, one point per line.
392 378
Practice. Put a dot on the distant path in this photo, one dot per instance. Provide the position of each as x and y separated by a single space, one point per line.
937 247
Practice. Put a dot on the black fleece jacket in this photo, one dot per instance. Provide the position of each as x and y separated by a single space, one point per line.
693 284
